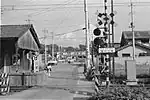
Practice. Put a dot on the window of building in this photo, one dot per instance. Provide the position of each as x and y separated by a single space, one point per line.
144 54
126 55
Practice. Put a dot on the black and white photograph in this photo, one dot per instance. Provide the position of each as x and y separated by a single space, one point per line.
75 50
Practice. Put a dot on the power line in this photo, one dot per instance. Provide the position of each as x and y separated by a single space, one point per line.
70 4
35 14
65 33
54 9
45 9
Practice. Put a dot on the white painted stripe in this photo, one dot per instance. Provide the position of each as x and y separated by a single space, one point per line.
2 89
2 75
4 82
96 88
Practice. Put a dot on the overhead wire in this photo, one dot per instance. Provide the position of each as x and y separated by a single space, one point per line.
51 9
69 6
67 14
39 12
45 9
65 33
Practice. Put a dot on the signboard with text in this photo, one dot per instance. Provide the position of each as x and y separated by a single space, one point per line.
106 50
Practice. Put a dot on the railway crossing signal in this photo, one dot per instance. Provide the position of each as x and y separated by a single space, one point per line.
104 50
97 32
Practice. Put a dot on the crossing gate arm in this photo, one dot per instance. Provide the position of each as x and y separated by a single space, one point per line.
4 83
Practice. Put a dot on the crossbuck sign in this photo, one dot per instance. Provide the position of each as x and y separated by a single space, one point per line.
106 50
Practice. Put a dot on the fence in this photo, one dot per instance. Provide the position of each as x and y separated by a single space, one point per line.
20 81
27 79
4 83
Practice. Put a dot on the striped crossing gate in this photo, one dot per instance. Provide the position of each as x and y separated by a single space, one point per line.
4 83
97 84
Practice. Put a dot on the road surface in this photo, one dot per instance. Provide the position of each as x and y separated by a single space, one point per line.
65 83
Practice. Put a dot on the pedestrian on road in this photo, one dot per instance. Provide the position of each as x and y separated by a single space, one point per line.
49 67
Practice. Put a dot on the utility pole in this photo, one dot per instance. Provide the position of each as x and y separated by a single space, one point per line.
112 30
132 28
87 36
45 34
52 45
107 42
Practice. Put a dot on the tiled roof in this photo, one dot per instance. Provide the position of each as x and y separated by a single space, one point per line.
16 31
137 44
138 34
13 30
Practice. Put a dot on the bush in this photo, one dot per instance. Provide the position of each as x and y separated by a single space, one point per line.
123 93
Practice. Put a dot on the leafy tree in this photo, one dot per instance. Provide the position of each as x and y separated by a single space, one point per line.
69 49
82 47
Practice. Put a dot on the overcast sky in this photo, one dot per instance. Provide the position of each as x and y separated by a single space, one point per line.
65 16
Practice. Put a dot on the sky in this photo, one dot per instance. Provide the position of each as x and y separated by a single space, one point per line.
67 16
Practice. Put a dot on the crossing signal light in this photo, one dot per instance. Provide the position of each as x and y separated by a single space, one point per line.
99 41
101 14
101 17
97 32
100 22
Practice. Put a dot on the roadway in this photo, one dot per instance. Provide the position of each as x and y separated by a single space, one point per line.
65 83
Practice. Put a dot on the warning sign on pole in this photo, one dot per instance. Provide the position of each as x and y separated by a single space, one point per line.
106 50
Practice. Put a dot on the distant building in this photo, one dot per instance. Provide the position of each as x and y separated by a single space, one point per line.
140 37
19 46
127 50
142 44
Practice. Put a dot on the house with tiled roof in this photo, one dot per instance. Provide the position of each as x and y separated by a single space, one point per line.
140 36
125 52
142 44
19 44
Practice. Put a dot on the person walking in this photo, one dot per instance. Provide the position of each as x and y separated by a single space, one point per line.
49 68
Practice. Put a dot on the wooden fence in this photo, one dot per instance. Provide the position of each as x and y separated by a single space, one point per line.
27 79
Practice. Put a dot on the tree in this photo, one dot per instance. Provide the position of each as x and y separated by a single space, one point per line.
82 47
69 49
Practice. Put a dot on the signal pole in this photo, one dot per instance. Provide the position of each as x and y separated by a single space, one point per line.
87 36
112 30
132 28
107 42
45 32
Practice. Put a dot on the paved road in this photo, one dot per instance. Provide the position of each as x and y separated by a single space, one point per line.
65 83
